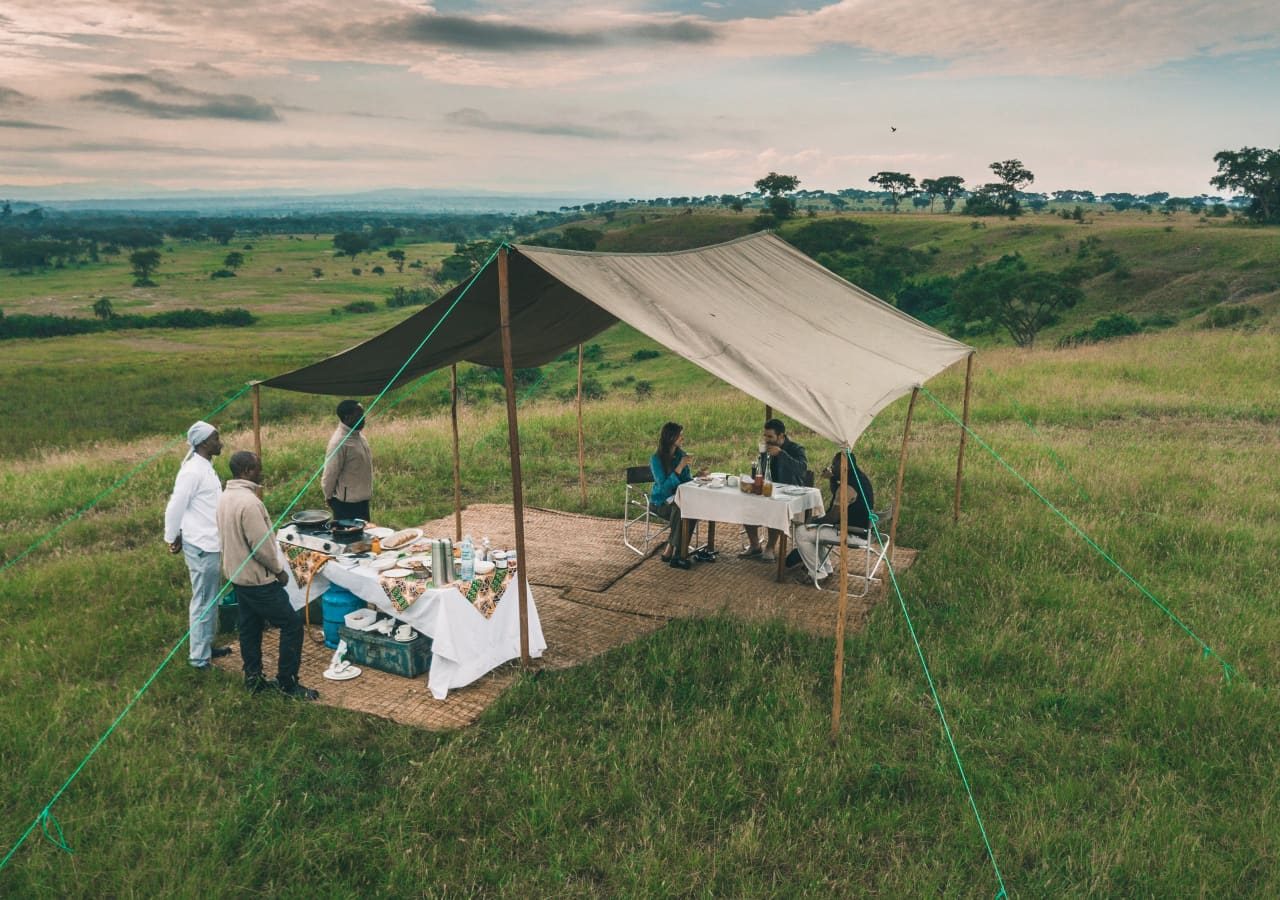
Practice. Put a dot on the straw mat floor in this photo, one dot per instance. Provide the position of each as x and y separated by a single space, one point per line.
592 594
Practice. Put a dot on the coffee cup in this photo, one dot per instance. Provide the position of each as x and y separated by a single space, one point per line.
405 633
732 481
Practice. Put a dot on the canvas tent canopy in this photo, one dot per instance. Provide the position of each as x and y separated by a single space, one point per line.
755 312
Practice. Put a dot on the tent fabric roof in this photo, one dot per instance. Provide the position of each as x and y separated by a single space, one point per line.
755 312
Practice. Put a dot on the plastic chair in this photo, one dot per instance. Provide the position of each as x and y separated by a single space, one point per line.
637 513
869 545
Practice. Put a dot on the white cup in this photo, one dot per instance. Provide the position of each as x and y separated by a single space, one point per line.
732 481
404 633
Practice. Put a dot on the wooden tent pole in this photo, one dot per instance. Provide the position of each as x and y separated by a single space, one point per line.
513 434
257 421
964 434
457 459
768 412
902 471
582 444
843 607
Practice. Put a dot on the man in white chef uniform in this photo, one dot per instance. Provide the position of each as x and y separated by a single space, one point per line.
191 528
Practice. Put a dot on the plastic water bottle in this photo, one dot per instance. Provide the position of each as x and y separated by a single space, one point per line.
468 559
485 547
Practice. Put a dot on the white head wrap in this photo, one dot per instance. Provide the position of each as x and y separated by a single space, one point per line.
197 434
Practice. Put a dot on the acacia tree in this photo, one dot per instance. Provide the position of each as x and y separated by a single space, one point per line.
144 262
1014 297
1255 172
776 186
233 260
351 243
102 308
397 257
948 187
896 184
1014 176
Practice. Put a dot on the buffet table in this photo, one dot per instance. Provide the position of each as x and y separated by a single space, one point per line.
465 643
730 504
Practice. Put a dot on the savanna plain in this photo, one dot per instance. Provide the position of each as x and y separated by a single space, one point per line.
1107 753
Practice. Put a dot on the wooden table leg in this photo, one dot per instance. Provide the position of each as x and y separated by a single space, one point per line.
782 553
711 536
683 549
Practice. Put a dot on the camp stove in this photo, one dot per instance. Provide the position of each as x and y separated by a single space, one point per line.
317 537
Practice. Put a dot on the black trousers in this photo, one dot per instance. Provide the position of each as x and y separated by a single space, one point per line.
344 510
262 605
671 513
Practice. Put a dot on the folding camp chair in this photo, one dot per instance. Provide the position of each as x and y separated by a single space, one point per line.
637 514
868 546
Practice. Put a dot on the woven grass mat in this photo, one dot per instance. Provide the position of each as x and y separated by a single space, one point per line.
394 697
739 587
593 594
563 549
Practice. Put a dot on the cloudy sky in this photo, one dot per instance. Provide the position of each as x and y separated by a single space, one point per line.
629 98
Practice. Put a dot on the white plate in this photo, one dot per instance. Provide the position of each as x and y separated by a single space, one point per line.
422 558
409 535
396 573
794 491
484 567
383 563
379 532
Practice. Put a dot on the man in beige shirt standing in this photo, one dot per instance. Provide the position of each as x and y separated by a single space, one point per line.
252 561
347 481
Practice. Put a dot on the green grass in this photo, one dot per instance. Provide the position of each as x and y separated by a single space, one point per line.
1107 756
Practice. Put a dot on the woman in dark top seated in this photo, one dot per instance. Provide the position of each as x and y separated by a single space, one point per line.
671 467
861 501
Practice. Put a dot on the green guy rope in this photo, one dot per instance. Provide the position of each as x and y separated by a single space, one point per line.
1227 669
118 483
45 816
937 702
1048 448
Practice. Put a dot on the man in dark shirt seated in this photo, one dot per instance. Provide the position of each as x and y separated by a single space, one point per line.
783 462
827 527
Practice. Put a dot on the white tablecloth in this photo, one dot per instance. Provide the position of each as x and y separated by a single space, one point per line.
464 644
730 504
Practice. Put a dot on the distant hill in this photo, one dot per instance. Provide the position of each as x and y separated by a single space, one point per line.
1164 271
74 197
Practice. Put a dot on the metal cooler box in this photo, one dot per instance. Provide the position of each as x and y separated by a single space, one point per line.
386 654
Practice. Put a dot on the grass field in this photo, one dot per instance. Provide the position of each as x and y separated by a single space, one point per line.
1107 755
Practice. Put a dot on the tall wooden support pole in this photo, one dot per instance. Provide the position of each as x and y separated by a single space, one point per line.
768 412
257 421
457 459
843 607
902 471
964 434
513 435
582 443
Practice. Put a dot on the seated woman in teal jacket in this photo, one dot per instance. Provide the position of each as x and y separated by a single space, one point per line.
671 468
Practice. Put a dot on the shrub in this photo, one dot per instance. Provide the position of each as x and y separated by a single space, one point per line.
356 271
361 306
222 273
1226 316
401 296
642 355
1104 329
644 390
378 270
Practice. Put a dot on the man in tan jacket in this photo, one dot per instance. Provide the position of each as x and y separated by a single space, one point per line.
252 561
347 481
